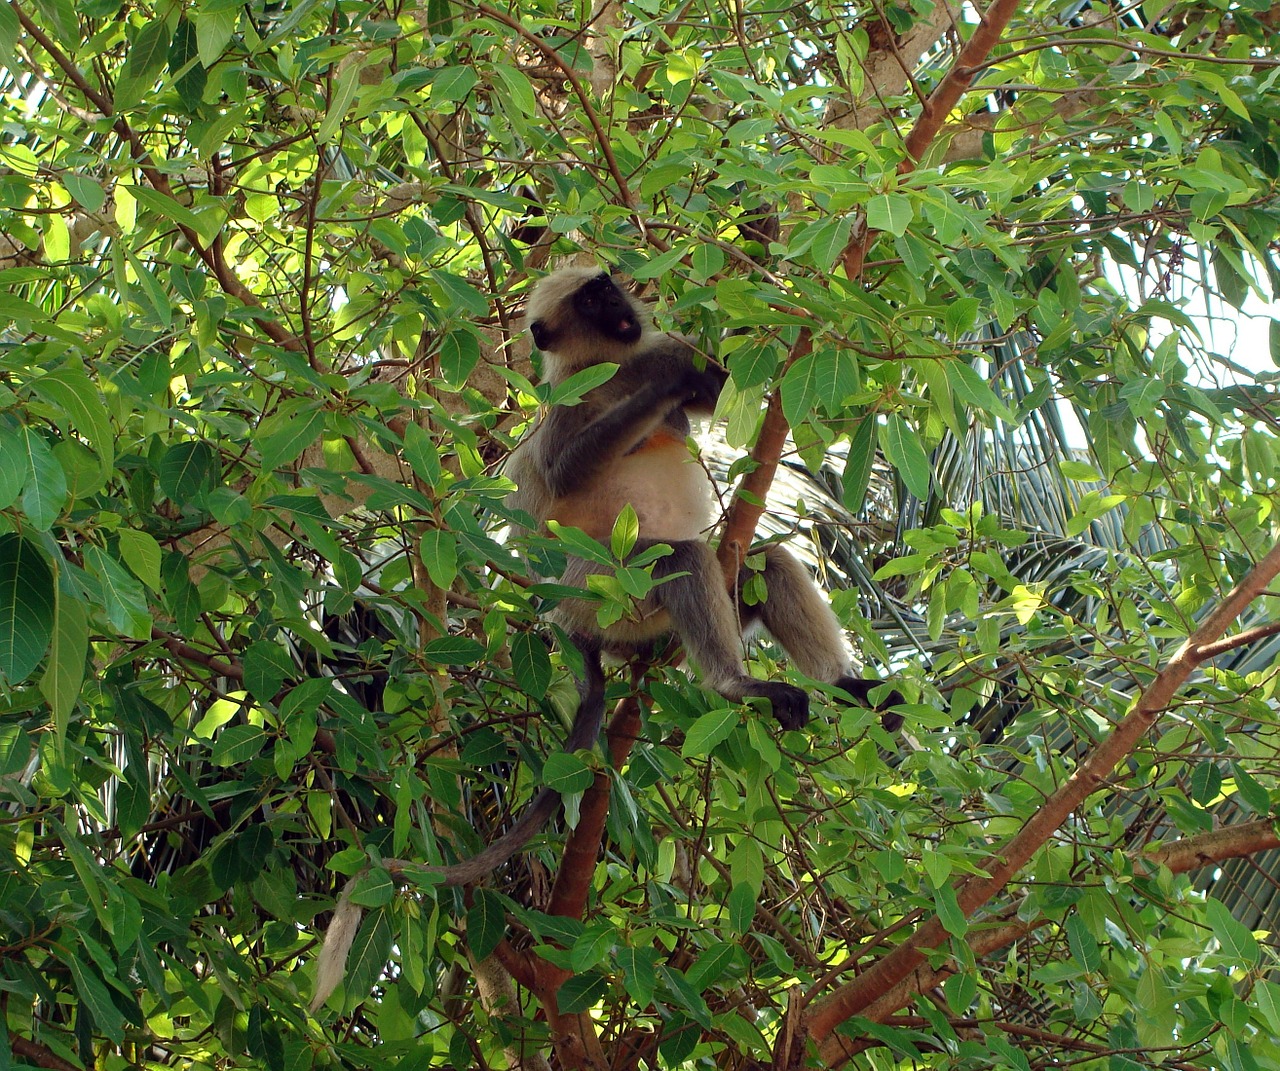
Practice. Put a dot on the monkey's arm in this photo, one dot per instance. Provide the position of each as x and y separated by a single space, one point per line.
575 443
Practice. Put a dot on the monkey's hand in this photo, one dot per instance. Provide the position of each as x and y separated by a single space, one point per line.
703 386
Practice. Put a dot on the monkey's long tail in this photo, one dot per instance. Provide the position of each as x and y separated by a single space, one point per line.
587 722
584 732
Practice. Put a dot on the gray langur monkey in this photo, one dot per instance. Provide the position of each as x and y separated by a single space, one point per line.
624 444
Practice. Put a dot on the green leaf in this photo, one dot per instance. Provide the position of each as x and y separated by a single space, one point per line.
184 49
639 974
344 92
145 59
572 389
122 596
581 992
64 675
286 433
69 390
531 664
46 485
368 956
891 213
13 465
1235 940
453 84
87 192
267 666
187 470
97 998
486 922
566 773
26 607
439 550
953 920
214 29
421 453
857 466
902 447
454 651
263 1036
141 553
9 29
235 744
741 906
626 530
709 730
1084 949
591 947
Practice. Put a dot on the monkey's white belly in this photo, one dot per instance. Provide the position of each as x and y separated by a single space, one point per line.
670 492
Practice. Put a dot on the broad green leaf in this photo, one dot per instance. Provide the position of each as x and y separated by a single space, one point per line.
531 664
283 436
591 947
214 28
46 485
709 730
420 451
439 550
267 666
20 310
582 991
64 674
857 466
369 954
343 93
188 469
69 389
123 598
141 553
453 84
890 212
953 920
486 922
566 773
639 973
9 28
97 998
901 445
235 744
13 465
27 607
142 64
1235 940
453 651
626 530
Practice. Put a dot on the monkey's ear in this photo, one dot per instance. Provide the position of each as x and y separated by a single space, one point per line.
542 334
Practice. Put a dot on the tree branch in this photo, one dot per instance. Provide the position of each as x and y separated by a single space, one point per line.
855 997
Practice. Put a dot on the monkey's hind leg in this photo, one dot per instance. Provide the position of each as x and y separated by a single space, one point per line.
702 614
797 615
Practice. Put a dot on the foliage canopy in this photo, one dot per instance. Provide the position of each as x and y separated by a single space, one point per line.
262 643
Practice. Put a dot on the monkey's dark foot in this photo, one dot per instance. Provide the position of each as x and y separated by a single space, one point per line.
790 704
861 692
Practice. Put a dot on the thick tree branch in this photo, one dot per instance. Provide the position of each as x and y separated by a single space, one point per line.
861 993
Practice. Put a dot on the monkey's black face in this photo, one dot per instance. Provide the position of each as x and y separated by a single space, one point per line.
601 304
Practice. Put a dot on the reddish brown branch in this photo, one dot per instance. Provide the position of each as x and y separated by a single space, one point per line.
855 997
1216 846
39 1055
744 513
972 58
578 864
